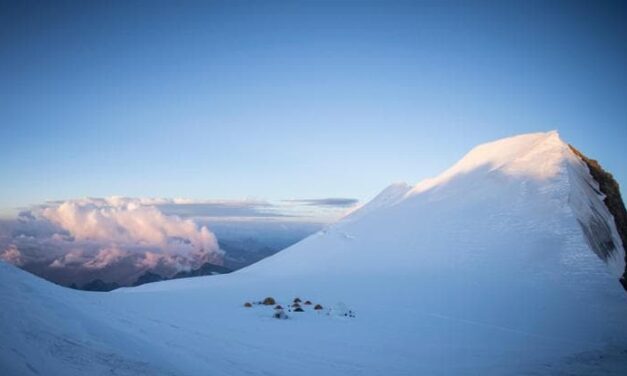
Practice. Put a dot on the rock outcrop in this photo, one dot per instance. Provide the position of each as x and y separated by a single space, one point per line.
613 200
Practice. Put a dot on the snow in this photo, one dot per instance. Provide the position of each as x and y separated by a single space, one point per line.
388 197
485 269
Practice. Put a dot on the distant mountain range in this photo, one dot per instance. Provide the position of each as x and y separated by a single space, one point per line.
149 277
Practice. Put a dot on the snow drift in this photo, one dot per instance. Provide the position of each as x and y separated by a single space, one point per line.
507 263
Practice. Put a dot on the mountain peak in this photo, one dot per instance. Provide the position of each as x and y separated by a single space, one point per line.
535 155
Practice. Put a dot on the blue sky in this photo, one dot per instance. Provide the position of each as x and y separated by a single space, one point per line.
293 100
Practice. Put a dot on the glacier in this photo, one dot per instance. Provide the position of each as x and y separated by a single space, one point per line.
505 264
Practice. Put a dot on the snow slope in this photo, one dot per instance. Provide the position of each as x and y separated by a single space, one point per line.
487 269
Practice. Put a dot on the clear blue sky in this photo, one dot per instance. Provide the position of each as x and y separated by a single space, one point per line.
293 100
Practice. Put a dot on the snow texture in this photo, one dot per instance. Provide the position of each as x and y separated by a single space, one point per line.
487 269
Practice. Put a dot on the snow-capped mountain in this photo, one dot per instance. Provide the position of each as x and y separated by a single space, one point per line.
507 263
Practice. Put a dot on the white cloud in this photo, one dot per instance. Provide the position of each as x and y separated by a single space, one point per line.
12 255
98 234
118 238
126 221
106 256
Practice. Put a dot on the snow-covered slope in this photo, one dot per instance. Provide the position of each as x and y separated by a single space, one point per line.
497 266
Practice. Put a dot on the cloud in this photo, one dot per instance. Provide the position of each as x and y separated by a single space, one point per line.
318 210
109 234
12 255
118 238
126 222
233 208
106 256
326 202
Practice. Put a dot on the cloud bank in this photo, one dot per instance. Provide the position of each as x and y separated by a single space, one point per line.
117 239
113 238
326 202
307 209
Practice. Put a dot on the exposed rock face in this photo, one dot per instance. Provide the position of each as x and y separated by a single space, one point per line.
613 201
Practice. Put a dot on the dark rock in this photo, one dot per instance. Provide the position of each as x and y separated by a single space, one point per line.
613 200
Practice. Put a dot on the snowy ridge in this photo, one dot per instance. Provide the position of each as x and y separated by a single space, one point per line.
388 197
495 267
548 173
537 156
534 155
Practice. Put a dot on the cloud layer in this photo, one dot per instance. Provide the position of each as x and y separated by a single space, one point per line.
326 202
106 238
117 239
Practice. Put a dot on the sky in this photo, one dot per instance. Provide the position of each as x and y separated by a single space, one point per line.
293 100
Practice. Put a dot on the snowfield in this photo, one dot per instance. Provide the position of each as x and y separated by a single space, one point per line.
487 269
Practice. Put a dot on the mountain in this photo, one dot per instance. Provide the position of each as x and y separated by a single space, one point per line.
508 263
99 285
204 270
243 252
148 277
